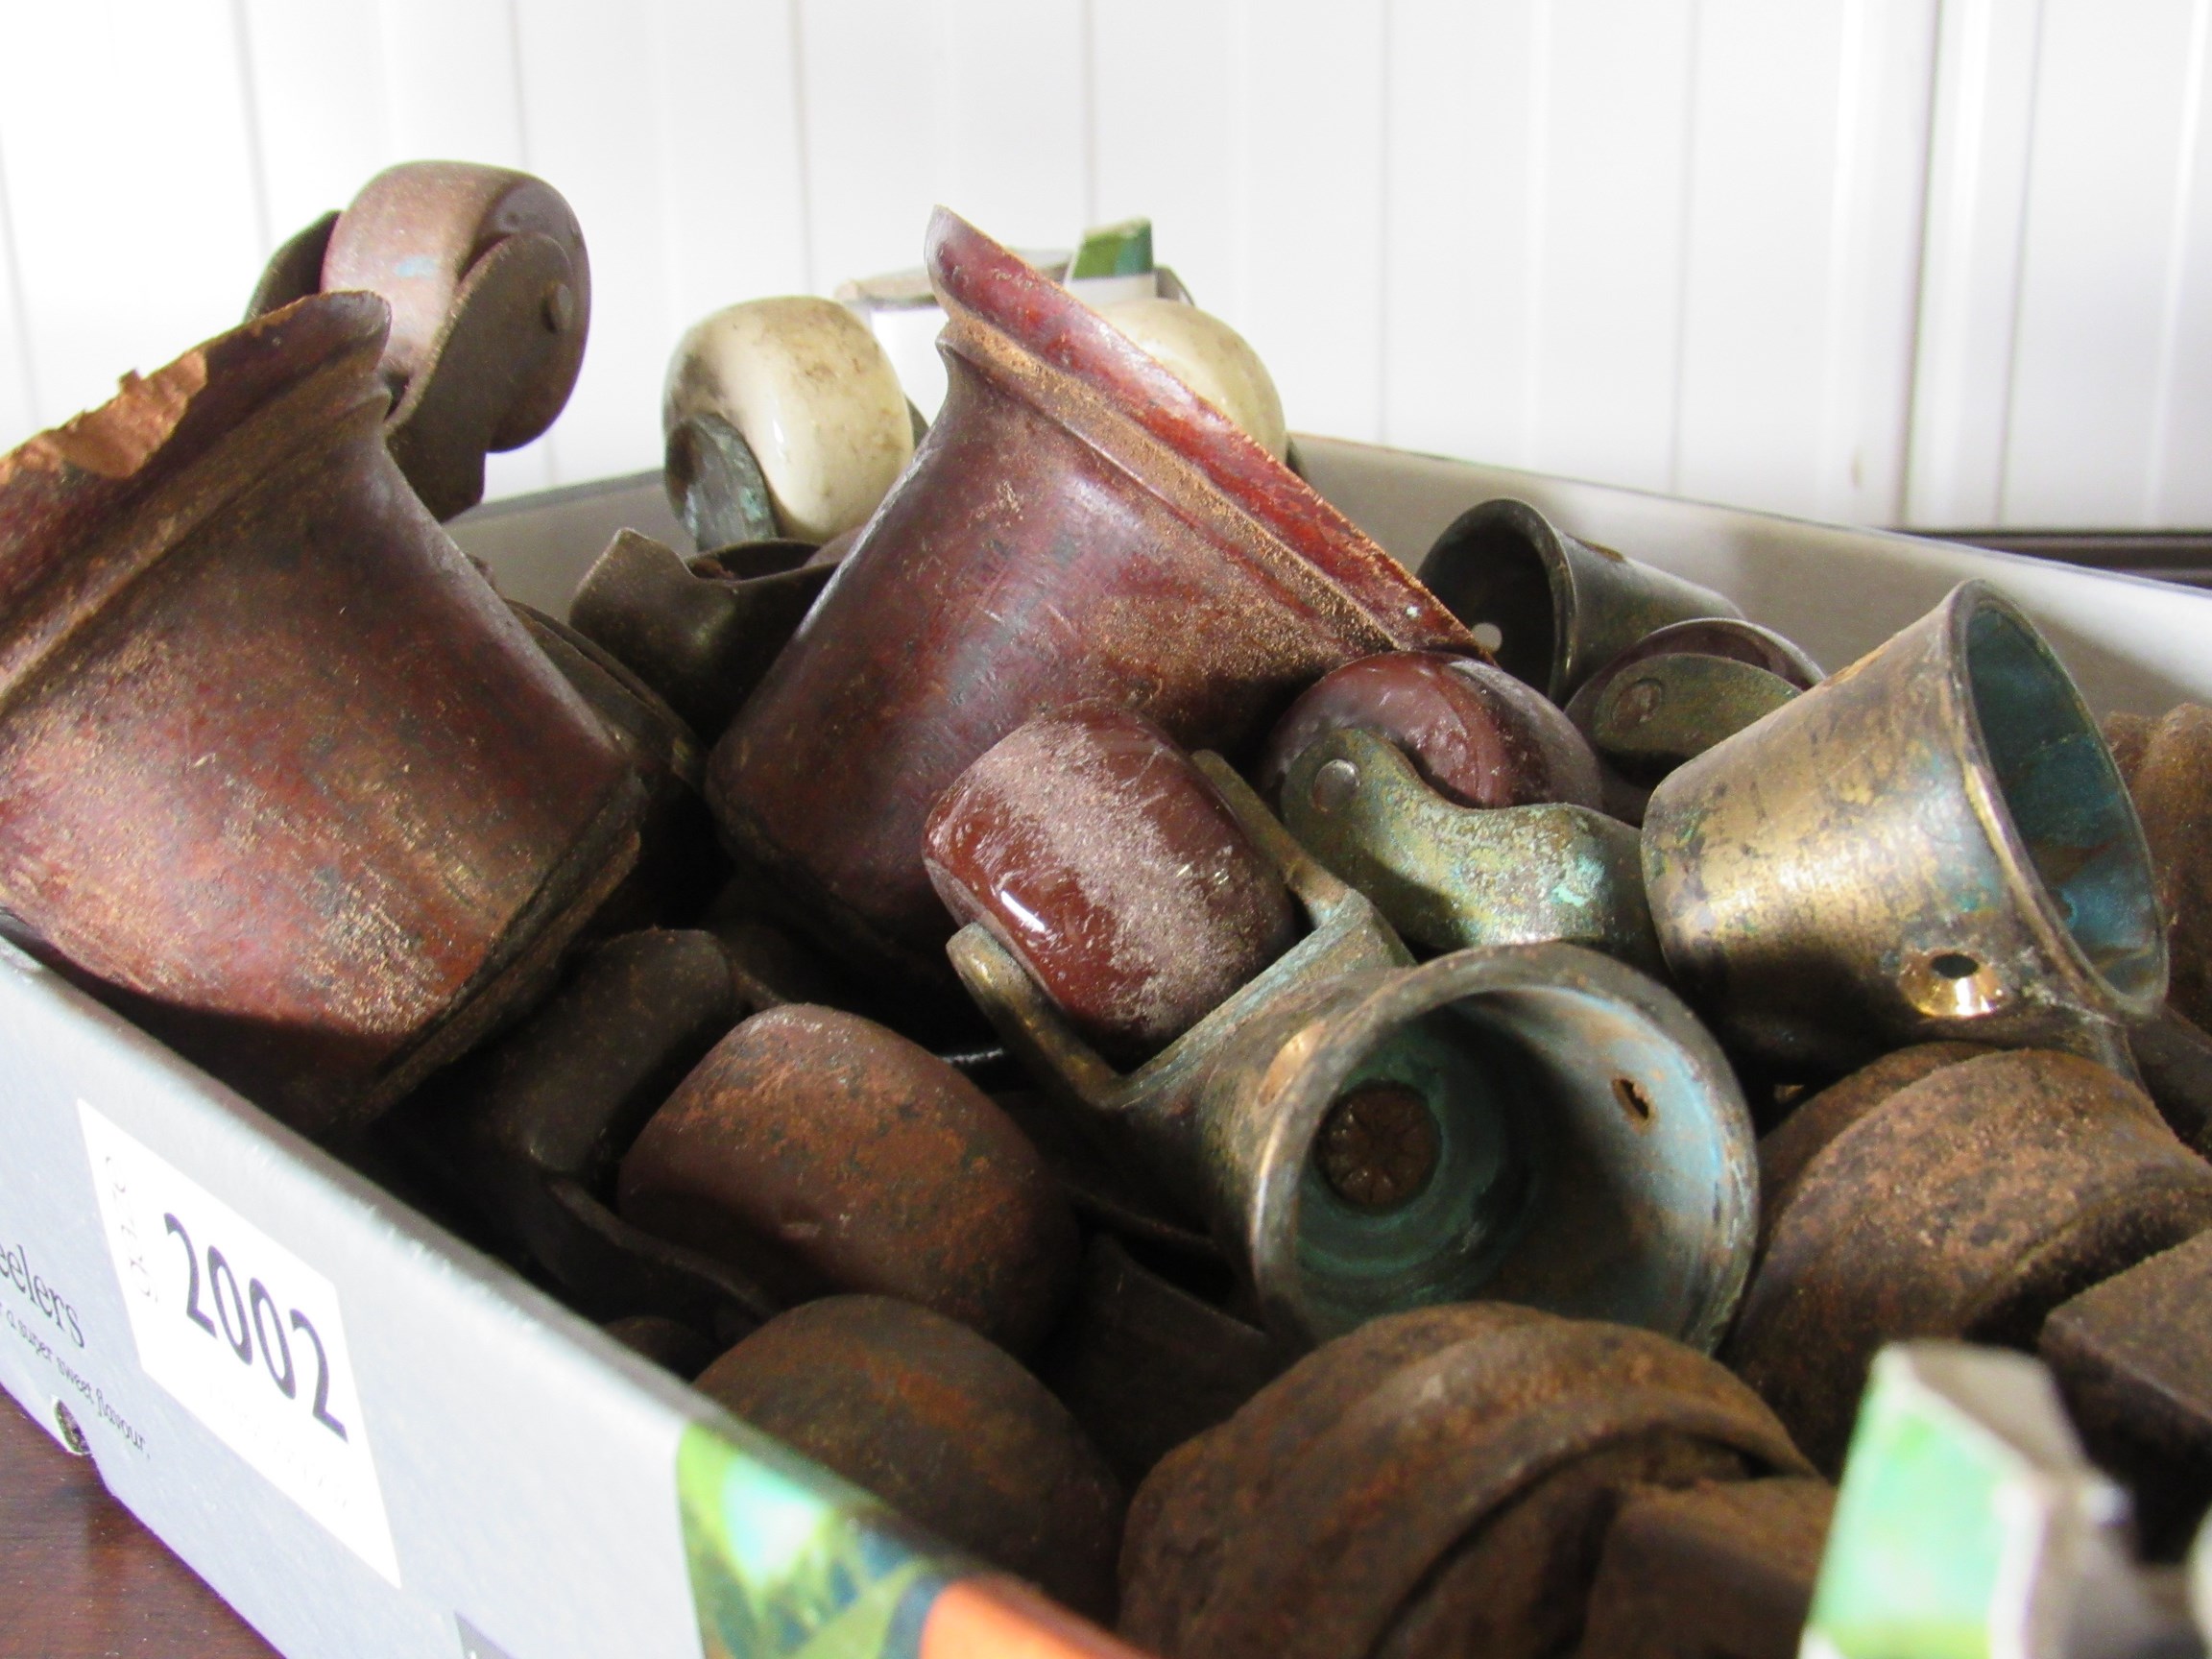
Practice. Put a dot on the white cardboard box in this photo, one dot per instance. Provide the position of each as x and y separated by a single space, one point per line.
510 1482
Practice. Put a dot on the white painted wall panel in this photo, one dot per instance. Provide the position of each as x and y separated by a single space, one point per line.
1168 135
317 136
453 77
1614 94
725 115
2113 117
18 401
1461 184
1929 260
591 88
870 94
1014 118
130 186
1310 153
1803 232
2180 471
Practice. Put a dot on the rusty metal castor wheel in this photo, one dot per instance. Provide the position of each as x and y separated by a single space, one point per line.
1437 1482
1968 1203
2168 765
817 1152
942 1426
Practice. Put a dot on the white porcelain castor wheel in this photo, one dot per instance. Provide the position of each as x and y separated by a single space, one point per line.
814 397
1211 358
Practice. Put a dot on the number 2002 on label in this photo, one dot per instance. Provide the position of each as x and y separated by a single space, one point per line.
248 1320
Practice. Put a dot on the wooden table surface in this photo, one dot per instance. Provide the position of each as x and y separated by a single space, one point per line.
80 1578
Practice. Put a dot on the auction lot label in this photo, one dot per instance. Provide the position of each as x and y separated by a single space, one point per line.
246 1335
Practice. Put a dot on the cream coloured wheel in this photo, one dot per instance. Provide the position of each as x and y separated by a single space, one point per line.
814 397
1211 358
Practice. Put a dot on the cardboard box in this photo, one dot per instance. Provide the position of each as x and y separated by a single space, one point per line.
370 1439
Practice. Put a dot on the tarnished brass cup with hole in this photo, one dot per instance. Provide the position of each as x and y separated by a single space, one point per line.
1552 607
1534 1123
277 764
1934 843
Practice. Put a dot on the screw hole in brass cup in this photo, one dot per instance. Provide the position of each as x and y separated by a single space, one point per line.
1633 1100
1951 985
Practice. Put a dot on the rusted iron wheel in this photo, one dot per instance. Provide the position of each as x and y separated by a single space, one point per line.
1145 1364
2133 1357
1435 1482
818 1151
943 1427
489 287
2168 765
1722 1568
1790 1145
1968 1204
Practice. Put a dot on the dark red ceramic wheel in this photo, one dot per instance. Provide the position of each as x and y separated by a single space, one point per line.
1094 851
1474 731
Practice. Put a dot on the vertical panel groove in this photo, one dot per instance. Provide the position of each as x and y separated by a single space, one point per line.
1088 23
653 23
1843 350
2019 277
256 162
2177 264
1909 422
1682 274
521 87
798 15
1539 167
18 319
1383 241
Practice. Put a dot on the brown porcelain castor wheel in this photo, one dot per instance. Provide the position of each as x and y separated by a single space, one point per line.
1477 736
489 287
1091 847
1683 688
